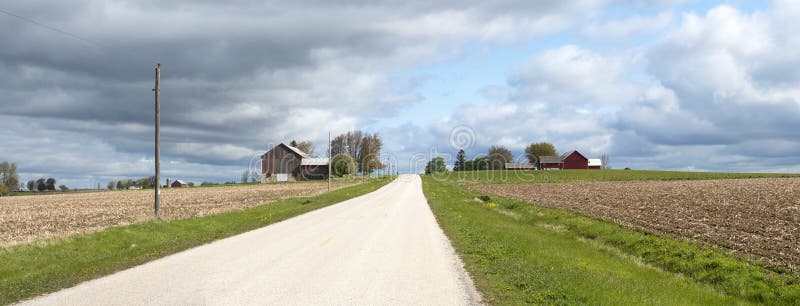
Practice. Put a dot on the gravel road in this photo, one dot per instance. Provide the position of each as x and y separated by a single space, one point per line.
383 248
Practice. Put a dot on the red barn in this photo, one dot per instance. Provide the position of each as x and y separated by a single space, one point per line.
570 160
574 160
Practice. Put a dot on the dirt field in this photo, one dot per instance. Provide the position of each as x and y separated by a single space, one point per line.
757 217
28 218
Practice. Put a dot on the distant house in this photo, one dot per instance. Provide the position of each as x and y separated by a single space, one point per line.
595 163
287 163
570 160
520 166
178 184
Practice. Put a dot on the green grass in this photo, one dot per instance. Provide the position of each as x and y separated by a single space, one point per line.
519 253
30 270
566 176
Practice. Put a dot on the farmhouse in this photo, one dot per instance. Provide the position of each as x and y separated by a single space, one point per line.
287 163
570 160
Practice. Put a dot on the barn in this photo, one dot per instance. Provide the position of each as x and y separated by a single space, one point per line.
287 163
595 163
574 160
550 162
178 184
570 160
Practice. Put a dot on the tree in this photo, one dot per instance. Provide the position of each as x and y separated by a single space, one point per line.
3 188
370 155
436 165
293 143
255 176
9 176
31 185
190 184
342 165
604 161
51 184
41 185
498 157
461 161
112 185
479 163
245 176
348 143
539 149
63 187
306 146
147 182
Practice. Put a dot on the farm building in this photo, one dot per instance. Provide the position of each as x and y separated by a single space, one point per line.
178 184
286 163
520 166
570 160
595 163
550 162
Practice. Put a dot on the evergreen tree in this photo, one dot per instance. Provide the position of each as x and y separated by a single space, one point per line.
461 161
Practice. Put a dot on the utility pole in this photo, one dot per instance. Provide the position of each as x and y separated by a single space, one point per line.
157 91
330 159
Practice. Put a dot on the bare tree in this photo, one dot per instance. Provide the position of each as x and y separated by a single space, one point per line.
604 161
306 146
348 143
371 153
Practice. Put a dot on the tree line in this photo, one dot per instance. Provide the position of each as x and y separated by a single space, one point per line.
44 184
496 158
145 182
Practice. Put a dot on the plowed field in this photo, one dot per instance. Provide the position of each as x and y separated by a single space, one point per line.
29 218
759 218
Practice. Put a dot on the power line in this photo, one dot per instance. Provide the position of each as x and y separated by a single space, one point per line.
29 20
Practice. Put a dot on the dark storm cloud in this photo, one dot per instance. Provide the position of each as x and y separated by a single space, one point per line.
236 75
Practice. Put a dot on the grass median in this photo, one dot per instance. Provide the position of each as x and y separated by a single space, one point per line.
519 253
50 265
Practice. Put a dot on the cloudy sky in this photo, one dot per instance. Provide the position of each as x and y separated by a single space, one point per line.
689 85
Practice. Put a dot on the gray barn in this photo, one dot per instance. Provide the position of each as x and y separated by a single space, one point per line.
287 163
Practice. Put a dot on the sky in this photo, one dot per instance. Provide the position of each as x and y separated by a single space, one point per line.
672 85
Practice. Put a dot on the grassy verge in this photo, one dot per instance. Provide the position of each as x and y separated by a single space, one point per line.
30 270
524 254
566 176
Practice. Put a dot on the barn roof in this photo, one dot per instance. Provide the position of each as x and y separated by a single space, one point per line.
550 159
565 155
314 161
180 182
520 166
298 151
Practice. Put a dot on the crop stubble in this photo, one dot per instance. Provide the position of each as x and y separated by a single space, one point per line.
25 219
759 218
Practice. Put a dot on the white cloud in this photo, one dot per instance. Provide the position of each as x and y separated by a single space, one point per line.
629 27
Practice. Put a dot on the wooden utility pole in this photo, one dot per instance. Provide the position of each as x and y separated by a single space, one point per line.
330 160
157 91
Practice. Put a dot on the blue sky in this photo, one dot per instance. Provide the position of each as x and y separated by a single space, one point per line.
675 85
